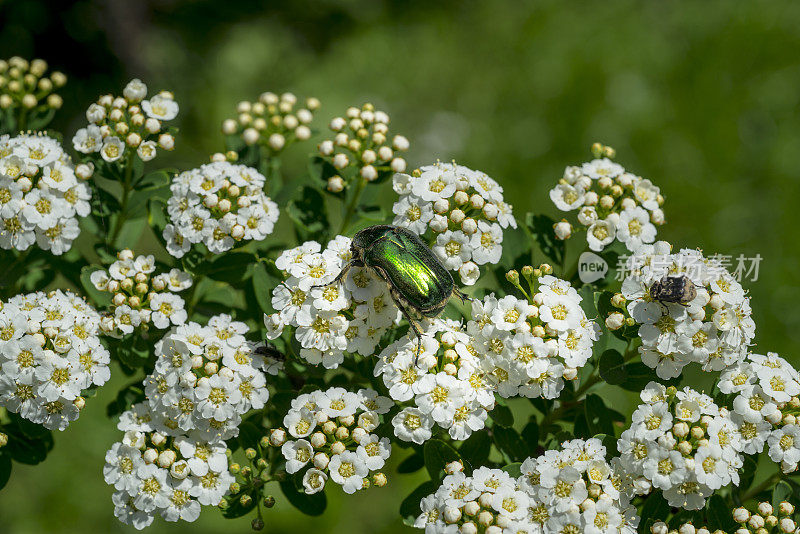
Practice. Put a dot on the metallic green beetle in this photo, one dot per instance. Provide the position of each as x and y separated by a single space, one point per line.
418 282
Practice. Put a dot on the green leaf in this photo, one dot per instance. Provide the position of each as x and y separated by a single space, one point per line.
510 443
513 469
597 416
249 435
100 299
610 443
154 180
540 228
320 169
230 267
612 367
313 505
782 492
637 376
409 508
5 469
309 214
236 509
26 450
373 214
719 514
476 448
411 464
748 472
501 414
263 284
655 509
530 434
437 455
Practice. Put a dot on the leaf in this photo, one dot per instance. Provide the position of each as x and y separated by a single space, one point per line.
27 450
540 228
510 443
320 169
373 214
655 509
597 417
513 469
409 508
782 492
413 463
637 376
719 514
501 414
313 505
476 448
101 299
249 435
437 455
262 287
748 472
610 443
236 509
5 469
309 215
154 180
612 367
530 434
230 267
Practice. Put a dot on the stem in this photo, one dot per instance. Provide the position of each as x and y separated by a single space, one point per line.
23 120
761 487
351 207
126 189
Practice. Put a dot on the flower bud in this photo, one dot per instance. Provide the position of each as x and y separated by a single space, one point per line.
562 229
150 456
277 437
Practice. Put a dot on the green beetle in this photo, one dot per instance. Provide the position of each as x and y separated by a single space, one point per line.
418 282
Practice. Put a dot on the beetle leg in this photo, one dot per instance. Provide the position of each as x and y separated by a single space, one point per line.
461 295
342 273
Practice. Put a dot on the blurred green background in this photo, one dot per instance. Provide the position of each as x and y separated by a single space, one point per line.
702 98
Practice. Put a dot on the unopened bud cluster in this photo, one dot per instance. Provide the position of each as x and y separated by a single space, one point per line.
764 519
42 194
219 205
27 91
49 353
273 121
122 126
611 203
459 211
333 439
361 142
139 297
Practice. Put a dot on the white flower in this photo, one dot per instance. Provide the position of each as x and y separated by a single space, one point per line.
634 228
167 309
113 149
297 454
161 108
486 243
348 470
314 481
411 424
600 234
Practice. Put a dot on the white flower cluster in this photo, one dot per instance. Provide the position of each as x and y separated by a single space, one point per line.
682 443
531 347
464 209
327 321
218 204
577 490
766 407
40 194
574 490
49 353
511 347
333 439
764 519
207 377
272 121
157 472
444 378
124 126
361 140
714 329
24 86
141 298
611 202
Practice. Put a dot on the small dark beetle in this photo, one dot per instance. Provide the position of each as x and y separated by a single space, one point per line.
675 289
418 282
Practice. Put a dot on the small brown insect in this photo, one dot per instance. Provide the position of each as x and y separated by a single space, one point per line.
675 289
270 351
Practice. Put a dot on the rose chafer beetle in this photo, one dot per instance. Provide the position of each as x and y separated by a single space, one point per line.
418 282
